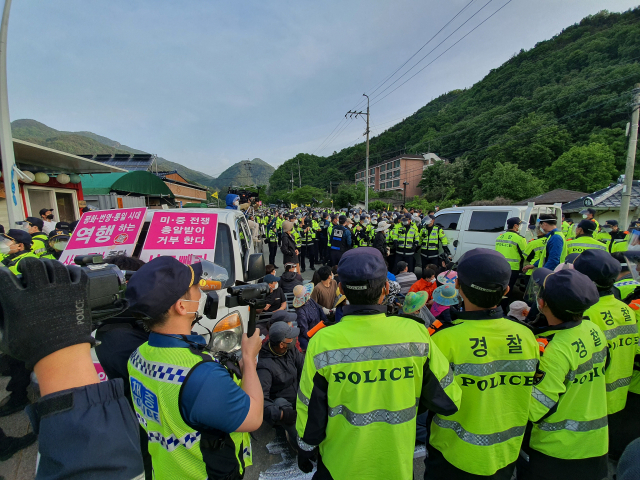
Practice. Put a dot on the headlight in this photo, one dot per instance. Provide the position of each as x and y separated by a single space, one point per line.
227 334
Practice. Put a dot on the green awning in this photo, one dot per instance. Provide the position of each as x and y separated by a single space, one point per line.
140 182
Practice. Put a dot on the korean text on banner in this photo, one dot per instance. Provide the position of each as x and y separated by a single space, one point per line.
108 233
184 236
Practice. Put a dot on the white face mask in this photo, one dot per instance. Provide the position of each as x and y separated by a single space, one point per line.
433 280
4 248
584 216
201 304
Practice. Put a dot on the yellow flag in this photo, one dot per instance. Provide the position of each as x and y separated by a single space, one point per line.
214 194
293 205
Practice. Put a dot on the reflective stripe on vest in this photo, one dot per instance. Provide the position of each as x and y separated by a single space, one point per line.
479 439
621 330
542 398
574 425
381 415
364 354
621 382
163 372
597 357
484 369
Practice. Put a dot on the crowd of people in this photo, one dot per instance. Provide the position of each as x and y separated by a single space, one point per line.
356 367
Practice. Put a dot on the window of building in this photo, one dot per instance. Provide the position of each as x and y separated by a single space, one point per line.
396 183
372 171
483 221
388 184
382 167
396 164
396 174
448 221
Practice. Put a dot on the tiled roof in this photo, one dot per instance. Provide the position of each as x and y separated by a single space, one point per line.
608 198
559 195
127 161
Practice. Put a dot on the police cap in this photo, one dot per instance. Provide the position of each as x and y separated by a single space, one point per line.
613 223
599 266
361 265
281 330
568 290
159 284
483 269
587 226
342 219
513 221
35 222
19 236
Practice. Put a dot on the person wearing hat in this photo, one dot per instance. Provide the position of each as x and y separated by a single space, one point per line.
196 412
512 245
16 246
288 244
533 250
362 231
39 239
444 297
56 243
46 214
584 239
415 304
279 370
308 311
273 238
290 278
431 238
406 240
589 214
276 299
364 379
340 240
618 322
566 226
494 360
555 248
568 407
307 238
611 235
380 238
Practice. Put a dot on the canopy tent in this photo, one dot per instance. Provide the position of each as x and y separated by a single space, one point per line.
139 182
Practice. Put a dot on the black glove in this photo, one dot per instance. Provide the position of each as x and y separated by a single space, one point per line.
45 311
305 464
289 416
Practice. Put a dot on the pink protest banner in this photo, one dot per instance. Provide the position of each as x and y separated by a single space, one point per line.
106 232
184 236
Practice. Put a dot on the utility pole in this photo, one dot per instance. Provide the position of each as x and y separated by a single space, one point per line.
404 202
291 181
631 159
9 169
299 175
366 171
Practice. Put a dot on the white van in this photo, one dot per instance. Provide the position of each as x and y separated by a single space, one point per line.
467 228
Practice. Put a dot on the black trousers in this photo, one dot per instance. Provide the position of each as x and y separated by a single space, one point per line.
624 426
20 379
405 257
544 467
429 259
306 251
336 255
273 250
438 468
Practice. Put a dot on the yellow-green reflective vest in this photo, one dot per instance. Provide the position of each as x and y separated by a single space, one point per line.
406 237
39 244
431 240
296 236
494 361
12 261
566 229
362 235
571 381
618 322
580 244
512 246
626 287
329 232
174 446
279 222
536 247
563 255
370 369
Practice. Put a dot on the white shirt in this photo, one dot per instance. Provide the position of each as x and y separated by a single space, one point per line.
48 227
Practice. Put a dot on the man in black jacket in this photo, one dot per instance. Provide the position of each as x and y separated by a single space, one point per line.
279 370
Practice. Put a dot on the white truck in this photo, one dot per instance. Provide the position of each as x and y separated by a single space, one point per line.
467 228
234 252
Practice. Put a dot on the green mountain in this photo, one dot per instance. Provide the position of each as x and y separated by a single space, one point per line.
564 102
90 143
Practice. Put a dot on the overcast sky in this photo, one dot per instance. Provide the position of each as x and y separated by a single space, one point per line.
207 83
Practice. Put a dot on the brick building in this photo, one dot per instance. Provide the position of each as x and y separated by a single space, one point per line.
390 175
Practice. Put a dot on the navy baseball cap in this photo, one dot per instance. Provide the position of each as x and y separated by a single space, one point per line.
513 221
19 236
359 266
35 222
63 226
613 223
271 278
482 269
571 258
342 219
599 266
280 330
43 211
283 316
159 284
568 290
587 226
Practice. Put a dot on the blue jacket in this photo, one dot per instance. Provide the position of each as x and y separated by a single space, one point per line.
231 197
554 247
309 315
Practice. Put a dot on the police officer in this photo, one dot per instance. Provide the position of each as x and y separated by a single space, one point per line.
16 245
512 246
39 239
589 214
307 237
363 379
406 239
494 360
431 237
584 238
555 249
533 251
56 243
191 406
618 322
272 240
566 226
568 408
613 237
340 239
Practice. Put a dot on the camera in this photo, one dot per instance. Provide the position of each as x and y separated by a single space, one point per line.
252 296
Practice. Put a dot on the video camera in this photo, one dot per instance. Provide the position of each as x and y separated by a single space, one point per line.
253 296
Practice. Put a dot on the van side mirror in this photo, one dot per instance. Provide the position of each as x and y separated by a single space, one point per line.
255 267
455 243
